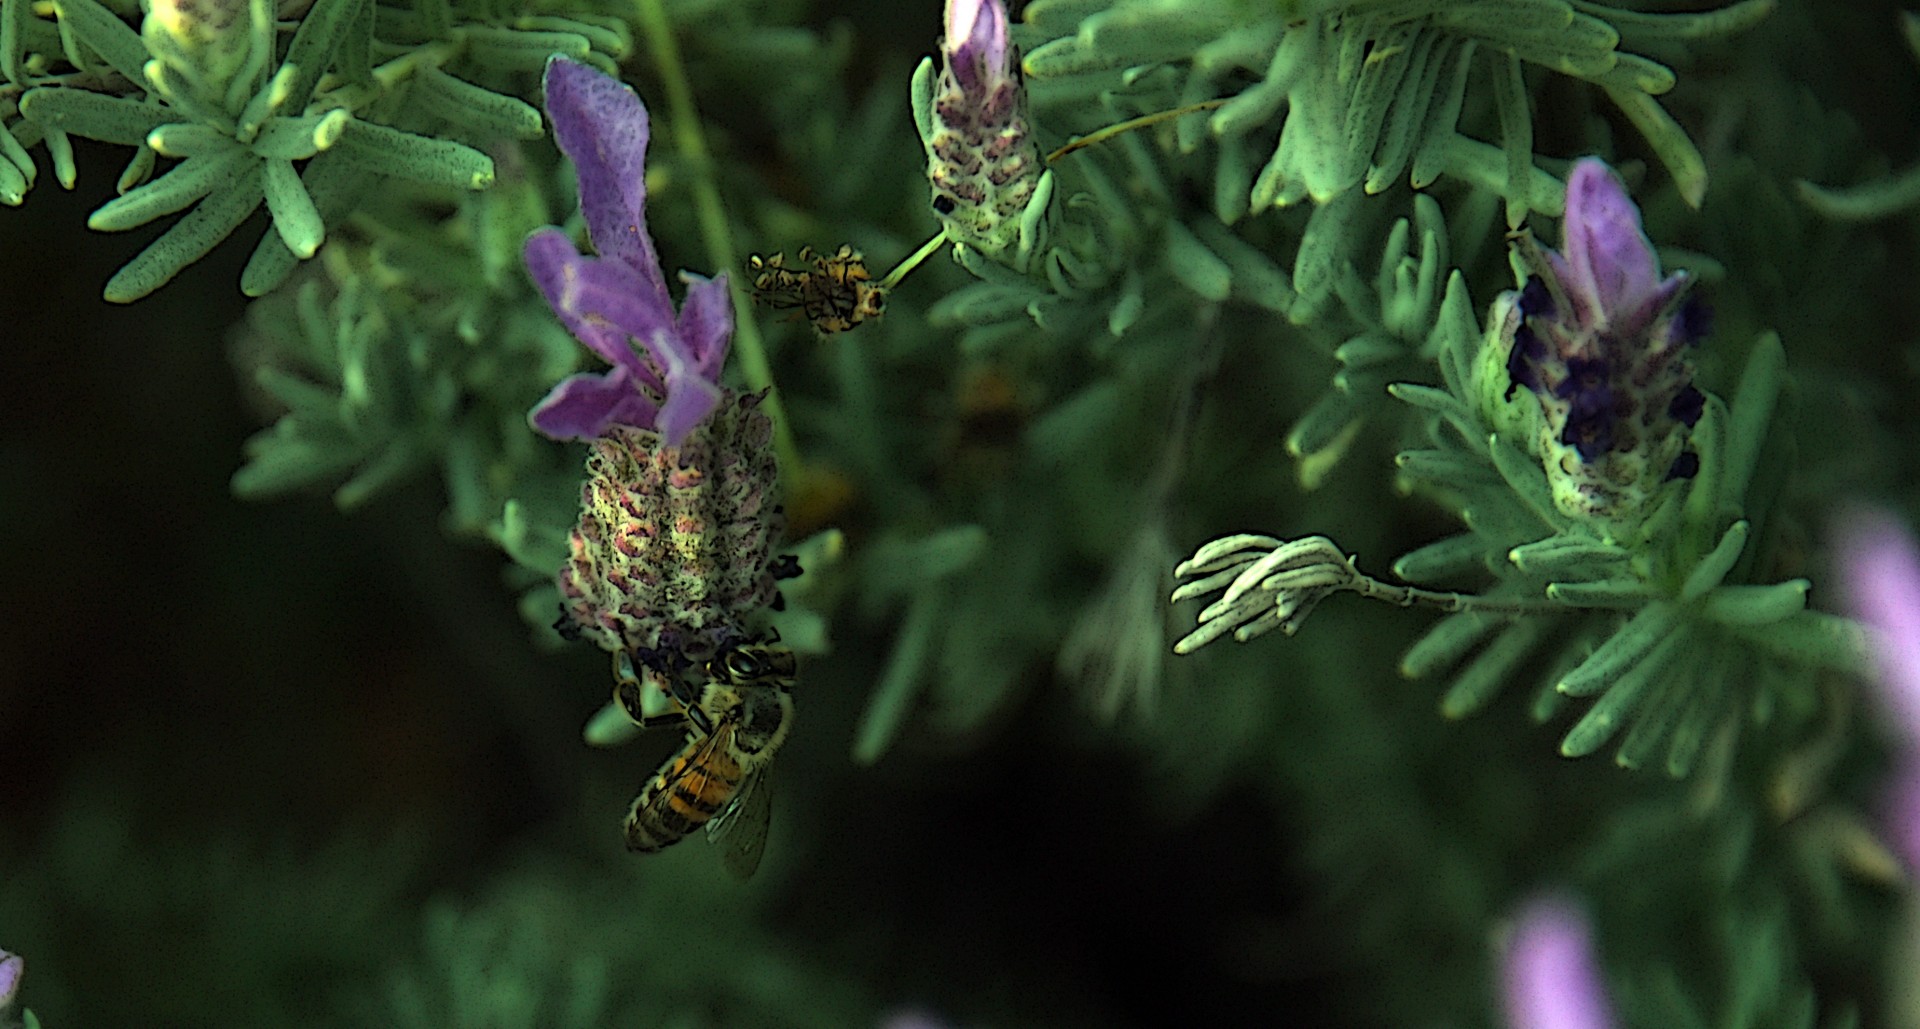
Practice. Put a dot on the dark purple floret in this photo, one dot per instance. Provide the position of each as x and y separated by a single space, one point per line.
1693 322
1535 300
1524 359
1686 466
1687 406
1589 425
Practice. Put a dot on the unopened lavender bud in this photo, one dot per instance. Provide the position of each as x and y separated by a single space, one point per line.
673 549
1591 359
208 42
982 159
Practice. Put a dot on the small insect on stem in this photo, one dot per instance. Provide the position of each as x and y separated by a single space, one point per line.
834 293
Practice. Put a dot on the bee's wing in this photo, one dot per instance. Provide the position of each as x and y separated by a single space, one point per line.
740 829
689 766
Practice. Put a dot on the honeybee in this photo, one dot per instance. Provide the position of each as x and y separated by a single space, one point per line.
835 294
718 779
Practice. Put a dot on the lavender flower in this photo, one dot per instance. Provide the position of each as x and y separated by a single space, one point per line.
1880 574
1599 340
1549 978
982 160
619 299
13 968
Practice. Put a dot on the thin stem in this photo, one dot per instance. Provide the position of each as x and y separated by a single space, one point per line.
913 261
713 224
1413 596
1130 124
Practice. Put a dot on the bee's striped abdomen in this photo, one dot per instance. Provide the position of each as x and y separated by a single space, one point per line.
685 795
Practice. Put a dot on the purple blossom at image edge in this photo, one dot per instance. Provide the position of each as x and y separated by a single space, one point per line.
1879 570
620 297
1549 972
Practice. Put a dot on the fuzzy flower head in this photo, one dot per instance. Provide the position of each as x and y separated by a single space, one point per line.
208 43
1549 974
1880 579
665 372
982 160
1598 341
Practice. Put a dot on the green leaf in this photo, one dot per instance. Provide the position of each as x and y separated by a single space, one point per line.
1443 559
1869 200
295 219
1255 278
334 185
1196 267
1527 480
1433 55
1757 605
311 52
105 34
1713 568
1635 26
1812 638
1752 415
388 151
1670 142
108 119
296 139
190 239
514 50
13 185
1567 557
1620 701
1663 707
1622 651
184 185
14 29
1516 134
902 681
1322 436
1385 68
1438 132
1492 668
1626 593
190 139
1447 642
487 114
1448 468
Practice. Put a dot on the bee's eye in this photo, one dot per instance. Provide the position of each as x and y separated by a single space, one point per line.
743 666
626 693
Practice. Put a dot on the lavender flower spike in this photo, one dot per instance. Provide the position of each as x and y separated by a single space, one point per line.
670 381
1548 975
1601 341
982 159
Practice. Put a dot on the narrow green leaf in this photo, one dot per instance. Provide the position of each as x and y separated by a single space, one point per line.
1516 134
190 239
1868 200
1323 251
1456 337
1443 559
1438 132
487 113
1713 568
1447 642
296 139
1669 141
109 119
1757 605
105 34
1751 416
1626 593
1666 700
60 154
14 31
1323 435
514 50
311 52
1491 669
388 151
334 186
13 185
1391 62
1196 267
1703 710
902 681
190 139
184 185
1449 468
1613 708
609 726
1567 557
1812 638
394 463
295 219
1636 26
1256 279
1433 54
1527 480
1637 73
13 152
1625 649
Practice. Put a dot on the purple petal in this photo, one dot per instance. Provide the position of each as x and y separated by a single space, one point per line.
1549 978
1880 576
601 125
601 302
1610 270
583 406
706 323
976 43
1900 811
691 396
13 968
